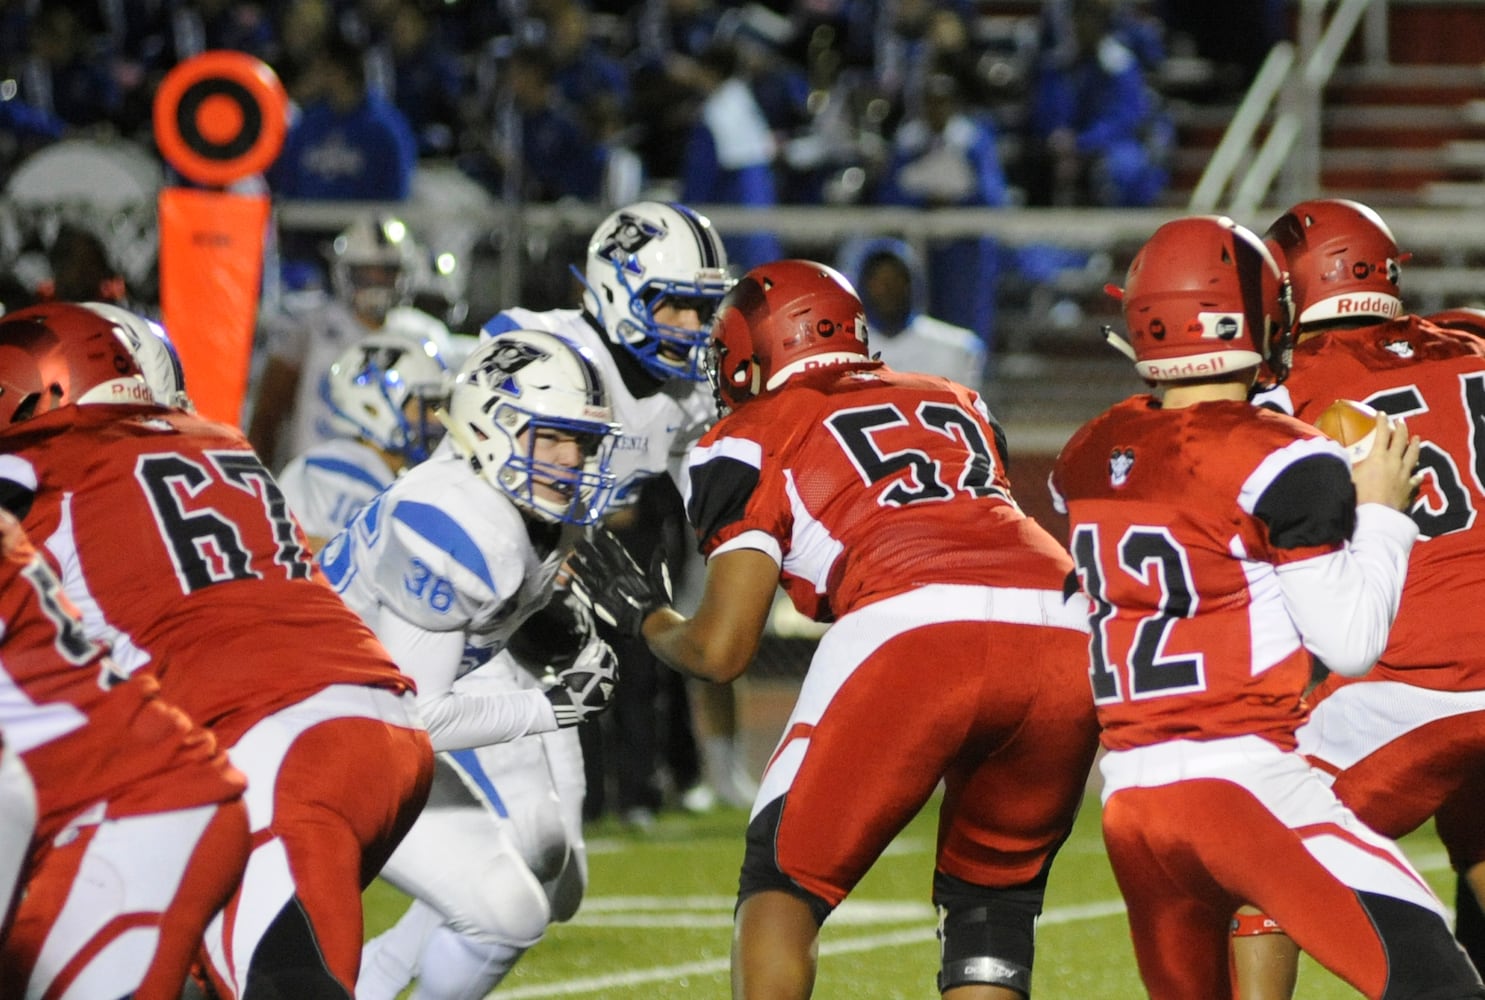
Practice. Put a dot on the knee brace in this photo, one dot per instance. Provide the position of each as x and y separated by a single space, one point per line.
986 936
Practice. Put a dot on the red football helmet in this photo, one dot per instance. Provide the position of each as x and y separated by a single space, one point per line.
1204 297
58 354
781 319
1342 260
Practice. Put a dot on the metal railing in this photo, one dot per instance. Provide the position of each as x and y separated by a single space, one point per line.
1289 88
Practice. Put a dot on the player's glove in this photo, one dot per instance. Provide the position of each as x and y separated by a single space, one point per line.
583 690
607 578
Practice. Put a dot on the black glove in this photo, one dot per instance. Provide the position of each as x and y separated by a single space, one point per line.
607 578
583 690
551 639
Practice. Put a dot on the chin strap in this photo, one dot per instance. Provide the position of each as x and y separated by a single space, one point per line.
1118 343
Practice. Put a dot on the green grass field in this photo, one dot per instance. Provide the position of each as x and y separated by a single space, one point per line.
658 917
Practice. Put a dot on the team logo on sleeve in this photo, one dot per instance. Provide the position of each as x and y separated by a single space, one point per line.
1121 463
626 240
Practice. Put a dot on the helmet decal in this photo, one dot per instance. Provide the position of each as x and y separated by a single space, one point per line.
502 364
628 236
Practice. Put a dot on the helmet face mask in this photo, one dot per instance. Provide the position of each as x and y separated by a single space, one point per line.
780 320
1342 260
60 354
643 258
1204 298
385 389
521 403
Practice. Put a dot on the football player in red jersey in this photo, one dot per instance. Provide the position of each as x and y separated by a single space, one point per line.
141 833
178 548
879 501
1220 545
1407 741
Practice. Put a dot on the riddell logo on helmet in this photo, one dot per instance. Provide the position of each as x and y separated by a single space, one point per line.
1186 369
1368 305
130 391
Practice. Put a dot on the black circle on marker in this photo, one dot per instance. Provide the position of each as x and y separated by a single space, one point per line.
190 102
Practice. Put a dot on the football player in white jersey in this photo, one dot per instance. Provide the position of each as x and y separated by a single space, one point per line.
382 391
655 273
445 565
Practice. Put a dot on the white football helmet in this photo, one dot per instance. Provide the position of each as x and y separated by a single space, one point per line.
372 265
153 352
385 388
644 253
516 385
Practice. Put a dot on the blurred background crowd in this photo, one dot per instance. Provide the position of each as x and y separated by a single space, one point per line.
920 103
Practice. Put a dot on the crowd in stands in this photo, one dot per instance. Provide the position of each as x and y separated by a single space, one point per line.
907 102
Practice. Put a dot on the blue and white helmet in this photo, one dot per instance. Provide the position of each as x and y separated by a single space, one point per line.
384 388
645 253
153 352
524 381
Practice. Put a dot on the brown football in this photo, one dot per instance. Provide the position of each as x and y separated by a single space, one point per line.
1352 424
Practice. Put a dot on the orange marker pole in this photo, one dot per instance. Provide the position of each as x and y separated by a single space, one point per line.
219 118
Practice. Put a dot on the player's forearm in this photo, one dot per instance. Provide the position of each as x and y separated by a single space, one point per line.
1344 603
463 720
683 645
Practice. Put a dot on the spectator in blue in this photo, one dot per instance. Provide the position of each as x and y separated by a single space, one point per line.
1099 135
346 143
729 154
585 73
68 74
238 25
561 157
427 82
949 158
305 27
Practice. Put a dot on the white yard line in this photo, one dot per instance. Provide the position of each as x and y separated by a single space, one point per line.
651 910
716 911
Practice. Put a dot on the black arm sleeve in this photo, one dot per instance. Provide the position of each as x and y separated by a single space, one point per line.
1312 502
16 498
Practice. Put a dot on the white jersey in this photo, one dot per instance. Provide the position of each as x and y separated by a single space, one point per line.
311 339
933 347
330 482
658 430
442 567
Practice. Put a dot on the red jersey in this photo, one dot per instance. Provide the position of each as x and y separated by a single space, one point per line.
1435 379
87 734
1177 520
864 483
179 549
